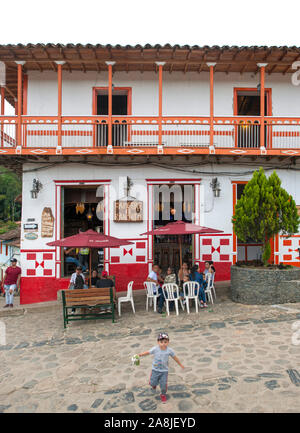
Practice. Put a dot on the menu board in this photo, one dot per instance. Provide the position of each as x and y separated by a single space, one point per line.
128 211
47 225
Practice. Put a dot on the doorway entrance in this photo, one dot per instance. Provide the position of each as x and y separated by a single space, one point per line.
80 209
121 106
172 203
247 103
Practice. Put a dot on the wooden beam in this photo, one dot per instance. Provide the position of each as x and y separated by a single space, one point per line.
203 61
276 64
51 61
65 59
131 61
33 57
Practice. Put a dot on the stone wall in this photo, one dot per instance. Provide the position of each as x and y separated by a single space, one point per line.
265 286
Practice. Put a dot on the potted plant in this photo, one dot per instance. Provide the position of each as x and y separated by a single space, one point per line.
264 210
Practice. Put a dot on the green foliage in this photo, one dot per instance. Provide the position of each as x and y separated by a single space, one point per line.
6 226
264 210
10 188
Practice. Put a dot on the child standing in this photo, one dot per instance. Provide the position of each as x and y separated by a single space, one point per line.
159 374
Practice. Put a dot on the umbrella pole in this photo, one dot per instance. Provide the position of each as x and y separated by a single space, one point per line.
180 251
90 276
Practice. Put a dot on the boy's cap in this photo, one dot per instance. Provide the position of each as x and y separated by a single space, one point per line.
13 260
163 336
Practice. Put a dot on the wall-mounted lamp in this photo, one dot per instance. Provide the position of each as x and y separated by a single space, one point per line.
215 185
258 87
112 87
36 187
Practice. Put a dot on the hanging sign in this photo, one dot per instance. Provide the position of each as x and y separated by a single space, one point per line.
128 211
31 236
30 227
47 223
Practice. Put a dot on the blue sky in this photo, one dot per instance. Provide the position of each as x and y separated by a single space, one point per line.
262 22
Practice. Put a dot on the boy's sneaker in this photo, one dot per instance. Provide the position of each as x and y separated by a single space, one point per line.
163 398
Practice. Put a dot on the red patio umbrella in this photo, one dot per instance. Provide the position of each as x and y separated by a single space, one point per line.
181 228
89 239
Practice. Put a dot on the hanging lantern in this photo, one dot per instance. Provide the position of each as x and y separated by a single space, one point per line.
80 208
89 215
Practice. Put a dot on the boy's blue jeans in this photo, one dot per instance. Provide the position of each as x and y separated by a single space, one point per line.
161 378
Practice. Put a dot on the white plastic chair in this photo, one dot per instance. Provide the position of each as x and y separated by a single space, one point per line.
191 291
169 290
152 293
127 298
212 285
208 291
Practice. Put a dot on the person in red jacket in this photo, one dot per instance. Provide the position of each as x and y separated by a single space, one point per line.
11 281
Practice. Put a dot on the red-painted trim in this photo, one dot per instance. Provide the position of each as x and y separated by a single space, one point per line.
25 93
268 92
96 90
197 180
37 251
82 181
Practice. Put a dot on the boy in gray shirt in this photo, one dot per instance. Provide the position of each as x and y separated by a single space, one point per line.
160 363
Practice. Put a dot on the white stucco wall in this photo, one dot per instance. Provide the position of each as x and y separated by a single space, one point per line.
217 211
183 94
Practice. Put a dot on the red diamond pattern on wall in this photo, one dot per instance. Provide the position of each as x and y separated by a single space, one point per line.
215 248
38 264
136 253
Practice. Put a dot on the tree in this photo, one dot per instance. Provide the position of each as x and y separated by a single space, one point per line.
264 210
10 187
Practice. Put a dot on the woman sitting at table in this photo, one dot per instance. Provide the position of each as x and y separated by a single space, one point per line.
196 276
183 272
94 278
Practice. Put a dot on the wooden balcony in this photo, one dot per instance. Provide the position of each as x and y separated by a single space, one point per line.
140 135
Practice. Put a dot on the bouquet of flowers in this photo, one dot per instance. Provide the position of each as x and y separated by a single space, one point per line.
135 360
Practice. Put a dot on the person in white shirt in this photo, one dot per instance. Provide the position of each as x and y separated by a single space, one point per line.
77 281
154 277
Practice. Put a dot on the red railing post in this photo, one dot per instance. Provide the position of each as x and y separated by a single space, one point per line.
110 90
20 63
262 67
2 108
211 66
160 75
59 103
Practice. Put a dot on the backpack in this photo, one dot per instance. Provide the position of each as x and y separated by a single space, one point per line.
78 282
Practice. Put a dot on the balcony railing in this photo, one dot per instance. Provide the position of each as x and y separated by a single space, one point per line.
222 132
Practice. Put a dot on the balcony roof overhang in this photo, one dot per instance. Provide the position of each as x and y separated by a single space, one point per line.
184 58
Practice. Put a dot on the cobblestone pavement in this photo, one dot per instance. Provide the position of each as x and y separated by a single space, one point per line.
238 358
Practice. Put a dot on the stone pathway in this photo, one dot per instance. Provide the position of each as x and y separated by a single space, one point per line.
238 359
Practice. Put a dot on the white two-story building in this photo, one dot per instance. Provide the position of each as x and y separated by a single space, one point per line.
122 139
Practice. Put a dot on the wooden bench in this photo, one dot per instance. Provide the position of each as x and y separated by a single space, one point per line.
90 302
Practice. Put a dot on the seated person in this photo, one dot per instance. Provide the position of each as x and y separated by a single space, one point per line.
154 277
77 281
70 259
170 277
198 277
184 271
105 282
211 267
94 278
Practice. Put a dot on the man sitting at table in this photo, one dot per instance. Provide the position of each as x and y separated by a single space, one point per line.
105 282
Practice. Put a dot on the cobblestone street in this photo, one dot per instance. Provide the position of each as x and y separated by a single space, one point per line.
237 358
